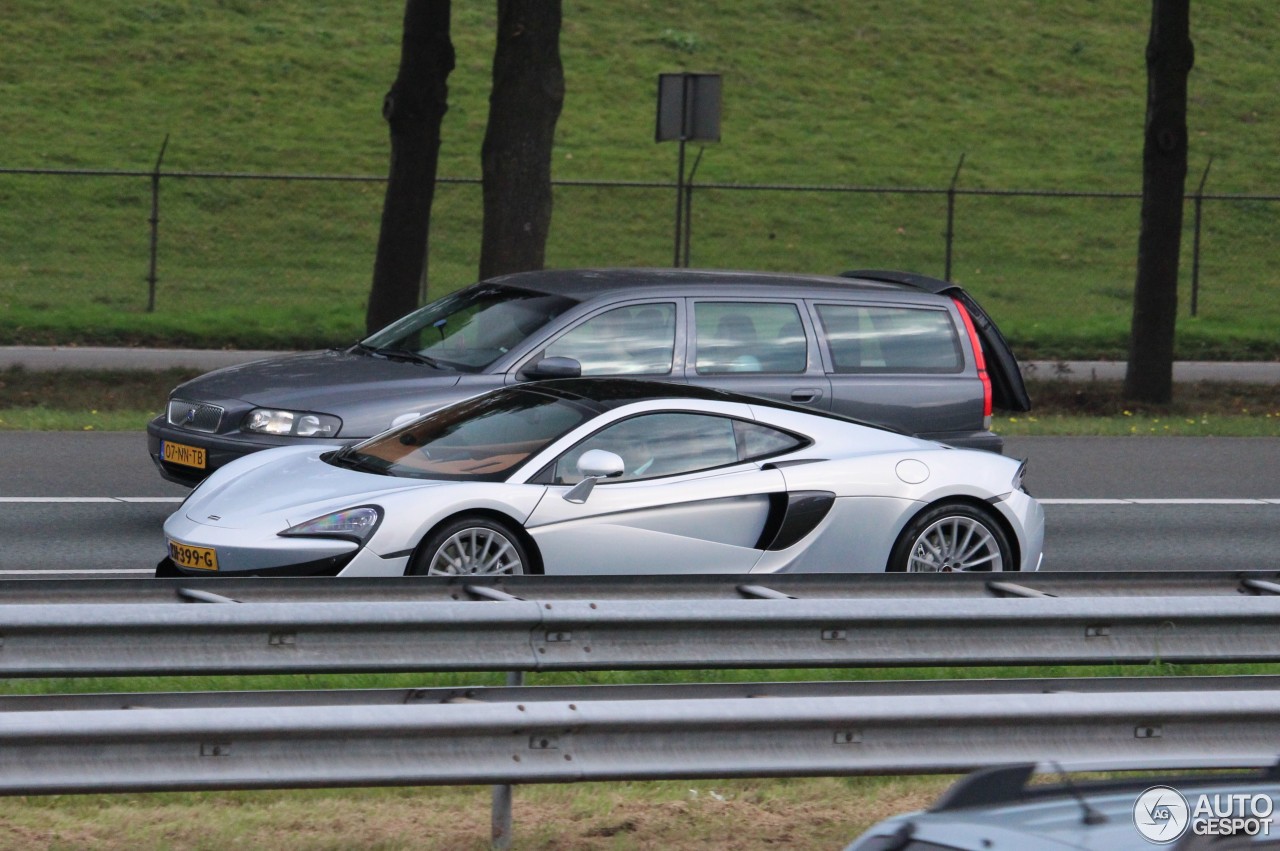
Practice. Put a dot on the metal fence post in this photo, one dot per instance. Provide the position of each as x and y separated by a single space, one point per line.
951 215
500 825
155 227
1195 250
679 203
688 206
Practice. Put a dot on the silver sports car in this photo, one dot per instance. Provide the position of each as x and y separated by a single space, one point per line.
610 476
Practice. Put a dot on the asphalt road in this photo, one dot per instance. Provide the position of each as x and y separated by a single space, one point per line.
92 502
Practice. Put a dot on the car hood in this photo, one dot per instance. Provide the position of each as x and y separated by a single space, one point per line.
366 393
292 484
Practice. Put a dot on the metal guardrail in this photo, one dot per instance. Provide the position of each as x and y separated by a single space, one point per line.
142 742
502 632
648 587
258 740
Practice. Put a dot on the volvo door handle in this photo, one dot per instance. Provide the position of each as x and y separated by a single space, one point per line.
804 395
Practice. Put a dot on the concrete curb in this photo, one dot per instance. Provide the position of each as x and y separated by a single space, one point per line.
1247 372
46 358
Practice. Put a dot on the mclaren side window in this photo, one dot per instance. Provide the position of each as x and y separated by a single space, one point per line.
674 443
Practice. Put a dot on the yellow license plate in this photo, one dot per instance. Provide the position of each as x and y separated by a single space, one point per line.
180 453
197 558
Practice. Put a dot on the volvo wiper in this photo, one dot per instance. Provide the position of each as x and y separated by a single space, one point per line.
405 355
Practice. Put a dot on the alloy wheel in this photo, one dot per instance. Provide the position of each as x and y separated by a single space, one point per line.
955 543
476 550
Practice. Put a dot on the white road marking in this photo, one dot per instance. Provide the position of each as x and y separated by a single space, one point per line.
149 571
1140 501
1049 501
99 499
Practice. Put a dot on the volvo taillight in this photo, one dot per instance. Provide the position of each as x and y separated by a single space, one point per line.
980 361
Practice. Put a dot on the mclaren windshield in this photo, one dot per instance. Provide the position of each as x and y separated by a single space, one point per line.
482 439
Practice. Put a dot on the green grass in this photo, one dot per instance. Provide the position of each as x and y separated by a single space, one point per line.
1034 95
72 400
47 419
1130 425
673 815
92 685
1098 408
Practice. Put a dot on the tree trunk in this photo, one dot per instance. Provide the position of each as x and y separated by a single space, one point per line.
414 109
1170 55
524 105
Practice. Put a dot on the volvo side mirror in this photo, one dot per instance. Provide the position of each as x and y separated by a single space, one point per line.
556 367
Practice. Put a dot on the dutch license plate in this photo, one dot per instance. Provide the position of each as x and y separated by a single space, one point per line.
180 453
197 558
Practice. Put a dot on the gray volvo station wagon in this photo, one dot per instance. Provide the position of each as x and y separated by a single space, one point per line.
891 348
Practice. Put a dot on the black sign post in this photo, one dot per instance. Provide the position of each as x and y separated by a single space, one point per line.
688 111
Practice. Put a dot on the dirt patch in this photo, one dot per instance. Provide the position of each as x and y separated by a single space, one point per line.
735 815
1106 399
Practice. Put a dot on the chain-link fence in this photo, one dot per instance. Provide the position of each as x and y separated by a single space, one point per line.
231 258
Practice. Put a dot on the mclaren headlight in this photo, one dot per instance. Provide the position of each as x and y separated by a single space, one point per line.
353 524
291 423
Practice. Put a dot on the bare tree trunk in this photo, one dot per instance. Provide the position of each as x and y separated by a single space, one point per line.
414 109
1170 55
525 103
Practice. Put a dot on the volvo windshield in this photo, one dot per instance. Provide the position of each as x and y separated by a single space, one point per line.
469 329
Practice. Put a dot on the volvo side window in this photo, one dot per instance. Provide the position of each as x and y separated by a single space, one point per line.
637 339
749 337
865 338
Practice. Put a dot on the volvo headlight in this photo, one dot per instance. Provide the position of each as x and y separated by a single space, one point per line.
355 524
292 423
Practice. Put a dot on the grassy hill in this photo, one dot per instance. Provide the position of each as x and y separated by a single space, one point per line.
1036 96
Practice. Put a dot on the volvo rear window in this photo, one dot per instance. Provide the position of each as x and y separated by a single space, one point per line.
869 338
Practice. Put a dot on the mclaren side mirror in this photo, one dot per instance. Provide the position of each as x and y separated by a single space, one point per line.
594 465
600 464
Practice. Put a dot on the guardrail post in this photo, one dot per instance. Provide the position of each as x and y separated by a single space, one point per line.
500 819
1195 250
951 215
155 227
